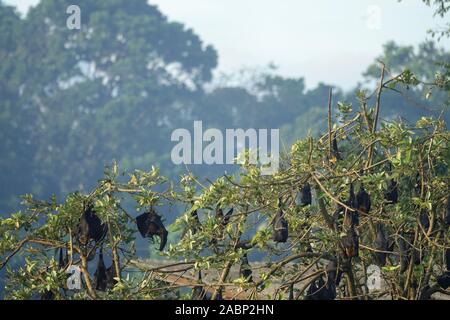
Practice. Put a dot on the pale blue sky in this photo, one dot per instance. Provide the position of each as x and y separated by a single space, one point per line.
321 40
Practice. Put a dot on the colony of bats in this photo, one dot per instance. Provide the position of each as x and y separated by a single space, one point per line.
346 219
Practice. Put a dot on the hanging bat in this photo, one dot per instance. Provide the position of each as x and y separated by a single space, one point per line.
314 290
100 274
198 292
391 194
149 224
320 290
219 295
111 275
48 295
363 202
351 202
62 261
334 149
350 243
351 216
280 227
305 195
197 223
245 269
444 280
424 220
227 217
90 227
381 244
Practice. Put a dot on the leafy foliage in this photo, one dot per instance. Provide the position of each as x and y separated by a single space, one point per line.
416 157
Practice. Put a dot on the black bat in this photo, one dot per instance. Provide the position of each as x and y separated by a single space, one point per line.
425 293
219 295
381 244
90 227
245 269
352 216
391 194
404 254
198 292
101 281
48 295
321 290
111 275
363 202
197 223
149 224
417 256
280 228
335 150
444 280
350 243
221 218
351 202
305 195
227 217
62 261
314 290
424 220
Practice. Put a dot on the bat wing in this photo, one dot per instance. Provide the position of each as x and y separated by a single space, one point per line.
163 236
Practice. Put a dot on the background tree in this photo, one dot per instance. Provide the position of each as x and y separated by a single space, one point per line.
113 89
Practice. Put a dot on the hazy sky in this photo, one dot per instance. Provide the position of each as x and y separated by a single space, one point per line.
321 40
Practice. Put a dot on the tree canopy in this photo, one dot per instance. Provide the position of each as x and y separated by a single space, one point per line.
73 101
375 190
